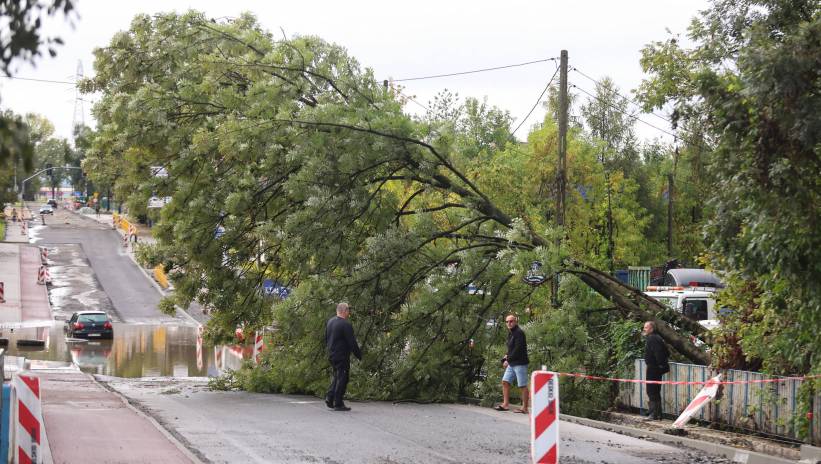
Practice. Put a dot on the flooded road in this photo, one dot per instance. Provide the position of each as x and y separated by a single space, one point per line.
137 350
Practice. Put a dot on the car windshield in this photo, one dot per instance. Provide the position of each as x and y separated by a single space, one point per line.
93 318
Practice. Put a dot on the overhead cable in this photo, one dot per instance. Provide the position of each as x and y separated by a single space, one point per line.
474 71
538 100
616 92
49 81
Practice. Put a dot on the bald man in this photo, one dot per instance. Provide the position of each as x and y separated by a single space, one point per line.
340 342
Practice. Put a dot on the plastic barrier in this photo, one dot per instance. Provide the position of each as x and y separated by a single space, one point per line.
199 347
2 292
28 419
259 345
160 276
544 417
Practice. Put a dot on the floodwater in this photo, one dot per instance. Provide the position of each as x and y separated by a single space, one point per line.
137 350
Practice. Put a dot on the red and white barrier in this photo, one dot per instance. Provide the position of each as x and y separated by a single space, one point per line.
125 240
200 331
2 292
43 255
706 394
43 276
259 345
28 419
544 417
218 358
23 228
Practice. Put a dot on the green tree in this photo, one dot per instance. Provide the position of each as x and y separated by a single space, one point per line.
315 177
23 41
750 81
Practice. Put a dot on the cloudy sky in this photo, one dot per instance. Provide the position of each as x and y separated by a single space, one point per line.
399 40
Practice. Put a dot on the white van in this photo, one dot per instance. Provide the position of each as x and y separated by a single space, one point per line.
698 304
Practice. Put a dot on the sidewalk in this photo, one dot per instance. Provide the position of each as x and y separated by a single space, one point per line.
26 301
84 423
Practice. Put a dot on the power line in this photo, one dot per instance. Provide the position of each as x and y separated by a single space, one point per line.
537 101
629 115
474 71
48 81
616 92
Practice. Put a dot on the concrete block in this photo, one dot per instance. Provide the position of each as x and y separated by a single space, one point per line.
810 454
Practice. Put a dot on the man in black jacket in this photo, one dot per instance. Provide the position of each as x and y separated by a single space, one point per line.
515 363
340 342
656 358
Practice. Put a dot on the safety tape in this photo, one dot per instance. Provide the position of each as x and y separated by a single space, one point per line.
677 382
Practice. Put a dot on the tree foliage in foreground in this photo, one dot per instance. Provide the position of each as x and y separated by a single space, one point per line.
314 177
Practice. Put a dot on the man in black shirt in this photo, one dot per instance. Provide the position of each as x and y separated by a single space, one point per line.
656 359
515 363
340 342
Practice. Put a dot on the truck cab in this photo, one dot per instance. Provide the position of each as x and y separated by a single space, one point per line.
696 303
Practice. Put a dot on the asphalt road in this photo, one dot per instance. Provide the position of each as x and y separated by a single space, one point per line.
241 427
133 296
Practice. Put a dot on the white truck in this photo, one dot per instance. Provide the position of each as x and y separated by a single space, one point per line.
696 303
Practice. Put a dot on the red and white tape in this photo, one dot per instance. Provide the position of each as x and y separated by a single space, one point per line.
544 419
685 382
29 419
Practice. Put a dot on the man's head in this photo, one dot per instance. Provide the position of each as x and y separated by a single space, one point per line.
511 321
343 310
649 327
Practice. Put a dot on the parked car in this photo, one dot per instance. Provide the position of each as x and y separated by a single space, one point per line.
89 324
52 202
46 209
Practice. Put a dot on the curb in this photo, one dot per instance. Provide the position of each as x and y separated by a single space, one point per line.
734 454
166 433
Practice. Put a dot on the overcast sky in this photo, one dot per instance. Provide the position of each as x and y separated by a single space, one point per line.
400 40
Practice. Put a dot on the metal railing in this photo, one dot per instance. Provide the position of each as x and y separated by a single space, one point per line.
766 408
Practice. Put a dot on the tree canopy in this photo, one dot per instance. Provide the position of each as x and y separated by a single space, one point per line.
751 83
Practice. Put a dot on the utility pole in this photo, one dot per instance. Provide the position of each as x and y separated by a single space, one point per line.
561 169
670 216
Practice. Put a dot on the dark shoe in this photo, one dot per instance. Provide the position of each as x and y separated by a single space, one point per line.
329 403
342 408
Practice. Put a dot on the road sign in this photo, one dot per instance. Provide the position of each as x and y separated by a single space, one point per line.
274 288
268 287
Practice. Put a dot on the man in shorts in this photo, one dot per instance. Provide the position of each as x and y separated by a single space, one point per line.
515 364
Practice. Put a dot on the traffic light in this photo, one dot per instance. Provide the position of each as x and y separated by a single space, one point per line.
49 170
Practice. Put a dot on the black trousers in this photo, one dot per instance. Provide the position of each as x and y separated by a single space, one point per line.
336 392
654 391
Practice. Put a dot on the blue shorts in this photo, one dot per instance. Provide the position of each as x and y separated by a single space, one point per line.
520 372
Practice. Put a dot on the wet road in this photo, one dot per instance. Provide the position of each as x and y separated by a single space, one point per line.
242 427
132 297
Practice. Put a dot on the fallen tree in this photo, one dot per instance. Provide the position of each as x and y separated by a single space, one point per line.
287 162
